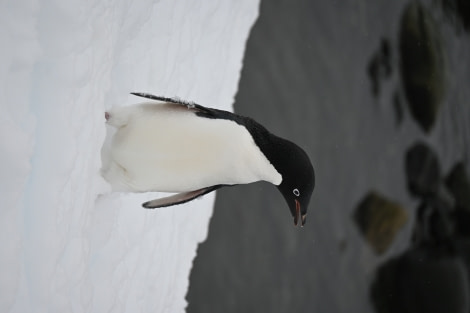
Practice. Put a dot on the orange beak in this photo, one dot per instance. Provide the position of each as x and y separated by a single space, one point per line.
297 212
298 215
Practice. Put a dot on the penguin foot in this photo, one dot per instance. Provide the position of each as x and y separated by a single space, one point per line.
107 115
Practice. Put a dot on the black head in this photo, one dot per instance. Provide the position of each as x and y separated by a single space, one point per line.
291 161
298 179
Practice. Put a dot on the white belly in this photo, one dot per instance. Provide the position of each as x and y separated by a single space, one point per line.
166 147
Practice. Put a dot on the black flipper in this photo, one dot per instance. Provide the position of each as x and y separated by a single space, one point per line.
178 198
202 111
188 104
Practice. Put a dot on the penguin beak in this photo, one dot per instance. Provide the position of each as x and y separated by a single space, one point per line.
298 215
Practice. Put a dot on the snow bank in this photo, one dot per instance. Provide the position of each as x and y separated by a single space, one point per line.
66 244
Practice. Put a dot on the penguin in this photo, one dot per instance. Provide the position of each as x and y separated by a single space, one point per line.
178 146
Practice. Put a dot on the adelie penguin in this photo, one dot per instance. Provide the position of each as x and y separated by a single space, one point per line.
171 145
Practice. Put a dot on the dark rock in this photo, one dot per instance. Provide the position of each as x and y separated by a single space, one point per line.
422 170
462 246
422 280
379 220
458 11
386 57
422 64
458 184
461 218
384 294
463 10
398 106
373 72
380 66
433 224
430 282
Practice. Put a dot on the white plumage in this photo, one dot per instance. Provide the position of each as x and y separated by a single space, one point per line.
167 147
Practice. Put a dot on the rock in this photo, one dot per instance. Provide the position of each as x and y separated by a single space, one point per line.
430 282
433 224
422 280
463 11
458 184
462 246
398 107
461 219
422 64
380 66
379 220
458 11
383 291
422 170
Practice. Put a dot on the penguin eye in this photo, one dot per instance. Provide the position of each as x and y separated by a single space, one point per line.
296 192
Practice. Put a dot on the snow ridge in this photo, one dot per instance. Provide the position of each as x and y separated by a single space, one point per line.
66 243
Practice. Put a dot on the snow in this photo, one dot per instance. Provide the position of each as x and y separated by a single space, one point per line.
66 243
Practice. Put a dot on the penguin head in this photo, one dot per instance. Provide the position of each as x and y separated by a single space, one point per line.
298 180
290 161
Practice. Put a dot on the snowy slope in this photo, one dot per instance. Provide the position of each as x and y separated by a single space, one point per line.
66 243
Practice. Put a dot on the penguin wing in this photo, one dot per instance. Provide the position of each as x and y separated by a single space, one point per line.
188 104
178 198
201 111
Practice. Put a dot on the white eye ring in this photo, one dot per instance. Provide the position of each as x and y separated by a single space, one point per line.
296 192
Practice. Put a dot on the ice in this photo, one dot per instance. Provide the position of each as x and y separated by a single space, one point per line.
66 243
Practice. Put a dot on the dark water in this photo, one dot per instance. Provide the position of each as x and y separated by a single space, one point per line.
305 77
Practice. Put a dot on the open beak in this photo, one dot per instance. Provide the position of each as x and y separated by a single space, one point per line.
298 214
